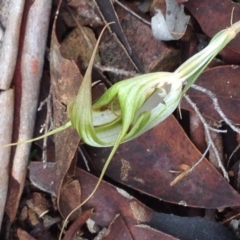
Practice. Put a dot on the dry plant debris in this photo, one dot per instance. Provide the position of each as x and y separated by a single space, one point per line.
136 200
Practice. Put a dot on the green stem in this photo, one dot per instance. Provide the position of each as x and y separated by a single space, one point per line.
59 129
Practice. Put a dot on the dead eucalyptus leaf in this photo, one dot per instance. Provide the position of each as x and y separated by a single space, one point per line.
173 25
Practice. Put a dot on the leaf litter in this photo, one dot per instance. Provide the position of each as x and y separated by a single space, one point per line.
161 153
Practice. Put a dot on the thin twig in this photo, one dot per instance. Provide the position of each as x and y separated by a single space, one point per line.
49 114
132 13
116 70
185 173
217 130
210 144
220 112
234 151
217 139
216 106
208 135
84 158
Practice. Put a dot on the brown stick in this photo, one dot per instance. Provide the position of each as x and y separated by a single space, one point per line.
31 72
9 51
6 123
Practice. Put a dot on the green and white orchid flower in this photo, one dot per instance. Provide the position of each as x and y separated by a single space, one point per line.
133 106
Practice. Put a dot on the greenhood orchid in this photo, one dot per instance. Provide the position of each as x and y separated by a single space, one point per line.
133 106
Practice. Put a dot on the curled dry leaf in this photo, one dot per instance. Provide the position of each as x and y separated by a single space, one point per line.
173 25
